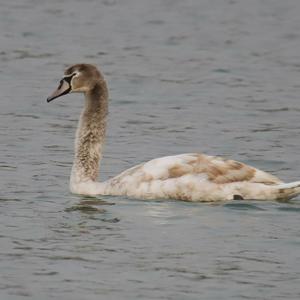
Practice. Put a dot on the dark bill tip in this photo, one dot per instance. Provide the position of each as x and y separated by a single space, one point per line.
49 99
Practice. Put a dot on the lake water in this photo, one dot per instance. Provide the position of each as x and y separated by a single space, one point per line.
215 76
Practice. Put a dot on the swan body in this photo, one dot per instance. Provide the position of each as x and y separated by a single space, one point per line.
189 177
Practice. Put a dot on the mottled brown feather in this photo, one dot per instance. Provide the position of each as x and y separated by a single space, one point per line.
218 170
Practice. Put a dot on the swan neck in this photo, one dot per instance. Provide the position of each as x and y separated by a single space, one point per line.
90 135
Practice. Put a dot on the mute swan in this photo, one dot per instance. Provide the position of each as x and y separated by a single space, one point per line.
189 177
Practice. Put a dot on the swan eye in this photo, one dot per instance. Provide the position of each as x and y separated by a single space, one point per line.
68 78
75 74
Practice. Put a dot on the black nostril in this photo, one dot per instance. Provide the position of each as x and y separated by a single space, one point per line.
60 84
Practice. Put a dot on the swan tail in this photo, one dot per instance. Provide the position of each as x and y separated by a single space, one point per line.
288 190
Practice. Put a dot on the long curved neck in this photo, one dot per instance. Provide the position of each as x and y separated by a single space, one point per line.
90 135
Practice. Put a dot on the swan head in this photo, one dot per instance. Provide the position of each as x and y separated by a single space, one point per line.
80 78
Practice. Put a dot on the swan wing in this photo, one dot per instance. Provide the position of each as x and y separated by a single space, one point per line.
213 169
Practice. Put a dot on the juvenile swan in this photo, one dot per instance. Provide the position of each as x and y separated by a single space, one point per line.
189 177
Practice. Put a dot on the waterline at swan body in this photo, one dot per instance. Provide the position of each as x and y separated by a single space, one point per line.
189 177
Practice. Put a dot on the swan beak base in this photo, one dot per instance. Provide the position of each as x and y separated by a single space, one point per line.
63 89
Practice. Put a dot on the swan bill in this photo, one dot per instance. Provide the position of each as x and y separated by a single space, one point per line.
63 89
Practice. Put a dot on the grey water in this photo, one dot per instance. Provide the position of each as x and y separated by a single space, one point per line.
215 76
